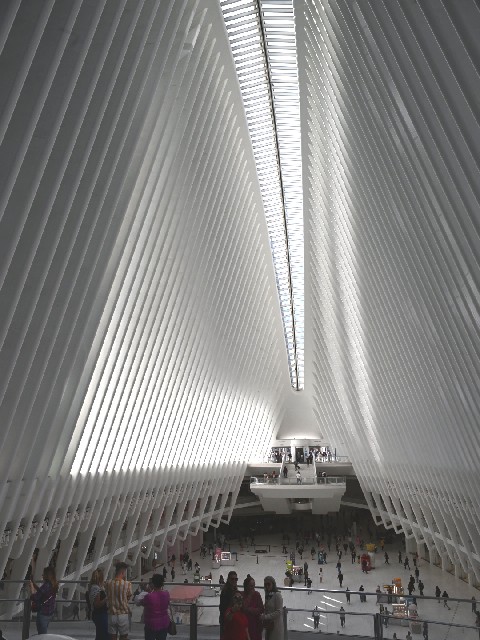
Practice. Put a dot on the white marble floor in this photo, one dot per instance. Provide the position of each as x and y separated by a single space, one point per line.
359 618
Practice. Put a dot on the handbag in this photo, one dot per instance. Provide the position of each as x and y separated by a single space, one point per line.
172 625
36 606
268 625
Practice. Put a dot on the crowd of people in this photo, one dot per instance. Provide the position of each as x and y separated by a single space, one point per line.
244 615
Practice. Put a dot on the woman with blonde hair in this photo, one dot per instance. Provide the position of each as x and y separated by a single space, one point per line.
98 604
272 619
43 599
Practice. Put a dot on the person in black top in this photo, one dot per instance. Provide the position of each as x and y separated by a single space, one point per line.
226 597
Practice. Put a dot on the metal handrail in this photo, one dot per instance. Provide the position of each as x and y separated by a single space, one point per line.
193 608
293 481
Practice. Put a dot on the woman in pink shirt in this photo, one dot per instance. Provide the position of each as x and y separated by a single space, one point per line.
155 614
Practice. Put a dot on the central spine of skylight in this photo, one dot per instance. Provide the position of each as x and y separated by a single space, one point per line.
263 43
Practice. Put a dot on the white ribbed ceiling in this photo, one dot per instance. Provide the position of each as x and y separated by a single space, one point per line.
140 324
391 122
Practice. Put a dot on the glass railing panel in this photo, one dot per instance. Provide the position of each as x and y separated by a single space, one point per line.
426 628
208 612
328 618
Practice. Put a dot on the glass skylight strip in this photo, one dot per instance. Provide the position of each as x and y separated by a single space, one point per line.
262 38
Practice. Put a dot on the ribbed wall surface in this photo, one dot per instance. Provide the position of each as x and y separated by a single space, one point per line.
393 147
141 344
142 350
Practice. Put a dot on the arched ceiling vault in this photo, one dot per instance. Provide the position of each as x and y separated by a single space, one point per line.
140 326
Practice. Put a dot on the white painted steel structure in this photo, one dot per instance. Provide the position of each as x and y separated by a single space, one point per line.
142 347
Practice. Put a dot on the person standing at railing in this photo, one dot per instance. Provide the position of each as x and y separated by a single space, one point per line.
155 610
226 597
252 608
98 604
119 592
273 617
236 622
44 598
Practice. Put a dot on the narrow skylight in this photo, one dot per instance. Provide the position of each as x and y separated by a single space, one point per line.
262 38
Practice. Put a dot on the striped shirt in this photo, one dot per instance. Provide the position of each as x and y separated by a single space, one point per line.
118 593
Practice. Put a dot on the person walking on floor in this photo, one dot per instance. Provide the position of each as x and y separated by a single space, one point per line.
386 618
342 617
316 617
425 630
399 557
386 558
437 593
309 586
406 563
340 579
445 600
347 595
421 587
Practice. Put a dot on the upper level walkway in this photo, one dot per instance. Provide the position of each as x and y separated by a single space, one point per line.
303 489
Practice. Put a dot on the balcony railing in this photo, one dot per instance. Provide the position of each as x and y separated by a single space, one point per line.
201 618
328 480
